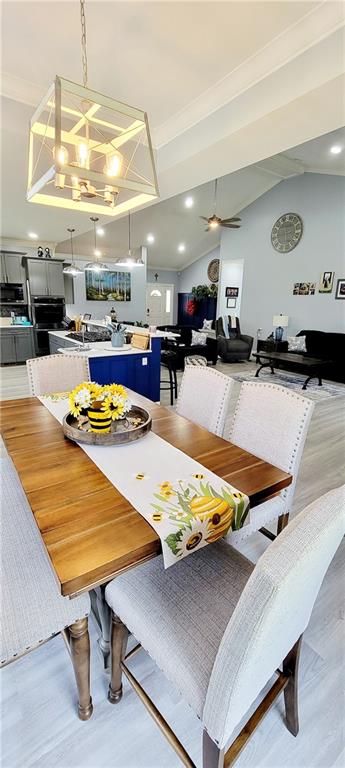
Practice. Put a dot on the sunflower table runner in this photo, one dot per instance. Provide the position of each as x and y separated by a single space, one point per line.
187 505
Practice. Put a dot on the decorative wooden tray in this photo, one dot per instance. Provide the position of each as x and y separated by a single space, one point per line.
135 425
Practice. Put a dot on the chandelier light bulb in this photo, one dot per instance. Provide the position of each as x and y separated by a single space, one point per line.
60 155
97 253
83 155
113 164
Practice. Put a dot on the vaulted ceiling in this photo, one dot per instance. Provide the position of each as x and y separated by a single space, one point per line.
225 84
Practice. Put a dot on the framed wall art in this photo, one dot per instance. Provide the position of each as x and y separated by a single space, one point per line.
326 282
231 293
107 286
340 289
231 303
303 289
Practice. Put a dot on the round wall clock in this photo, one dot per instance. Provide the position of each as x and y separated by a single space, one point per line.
287 232
213 271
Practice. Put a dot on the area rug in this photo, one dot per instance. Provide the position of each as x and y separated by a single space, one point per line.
295 382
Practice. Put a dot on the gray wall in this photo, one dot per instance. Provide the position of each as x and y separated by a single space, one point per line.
129 310
269 276
196 273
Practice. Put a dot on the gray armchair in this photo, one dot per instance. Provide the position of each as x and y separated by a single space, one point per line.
237 347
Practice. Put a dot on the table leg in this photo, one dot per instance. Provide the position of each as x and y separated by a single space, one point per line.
79 641
264 365
308 379
102 614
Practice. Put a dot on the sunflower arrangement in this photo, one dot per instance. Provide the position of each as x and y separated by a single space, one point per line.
111 399
83 397
115 401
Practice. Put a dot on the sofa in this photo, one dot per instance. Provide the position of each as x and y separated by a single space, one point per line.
183 347
237 347
325 345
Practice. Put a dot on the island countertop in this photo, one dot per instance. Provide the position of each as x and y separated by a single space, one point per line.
96 348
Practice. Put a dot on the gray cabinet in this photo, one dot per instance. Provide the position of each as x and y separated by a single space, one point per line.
45 277
7 347
56 342
16 345
11 270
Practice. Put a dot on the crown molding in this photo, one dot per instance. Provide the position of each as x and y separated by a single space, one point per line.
18 89
307 32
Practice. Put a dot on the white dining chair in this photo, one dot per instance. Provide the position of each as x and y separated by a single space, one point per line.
56 373
204 397
272 423
220 628
33 611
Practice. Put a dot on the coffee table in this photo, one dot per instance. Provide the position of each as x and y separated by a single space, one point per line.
311 365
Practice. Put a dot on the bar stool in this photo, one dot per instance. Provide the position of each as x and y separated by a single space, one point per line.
170 361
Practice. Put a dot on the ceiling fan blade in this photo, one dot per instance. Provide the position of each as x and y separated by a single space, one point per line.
234 218
231 226
204 218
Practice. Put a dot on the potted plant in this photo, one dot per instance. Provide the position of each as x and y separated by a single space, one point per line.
204 291
99 405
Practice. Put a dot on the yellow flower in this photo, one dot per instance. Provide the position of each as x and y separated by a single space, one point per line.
113 409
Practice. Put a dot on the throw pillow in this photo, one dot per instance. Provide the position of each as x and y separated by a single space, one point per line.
198 338
297 344
207 325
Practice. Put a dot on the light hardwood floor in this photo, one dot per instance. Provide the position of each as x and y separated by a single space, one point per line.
39 725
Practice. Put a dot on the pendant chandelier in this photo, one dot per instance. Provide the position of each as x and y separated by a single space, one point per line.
72 268
96 265
129 260
88 152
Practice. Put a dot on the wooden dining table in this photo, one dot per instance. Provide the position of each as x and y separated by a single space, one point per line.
90 531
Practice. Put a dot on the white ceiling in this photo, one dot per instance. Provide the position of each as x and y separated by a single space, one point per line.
172 223
221 93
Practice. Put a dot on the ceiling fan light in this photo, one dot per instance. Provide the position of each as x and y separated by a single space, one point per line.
213 224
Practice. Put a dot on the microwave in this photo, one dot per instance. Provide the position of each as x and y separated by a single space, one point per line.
11 293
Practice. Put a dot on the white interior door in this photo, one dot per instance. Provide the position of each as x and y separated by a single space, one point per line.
159 308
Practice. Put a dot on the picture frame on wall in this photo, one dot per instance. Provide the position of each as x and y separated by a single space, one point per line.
340 289
231 293
231 303
326 282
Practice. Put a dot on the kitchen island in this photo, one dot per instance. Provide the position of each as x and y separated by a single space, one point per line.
134 368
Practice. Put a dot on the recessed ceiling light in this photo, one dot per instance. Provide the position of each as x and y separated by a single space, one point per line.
336 149
181 248
100 231
33 235
189 202
150 238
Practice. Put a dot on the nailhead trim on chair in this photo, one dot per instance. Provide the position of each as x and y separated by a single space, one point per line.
220 375
4 662
287 393
36 360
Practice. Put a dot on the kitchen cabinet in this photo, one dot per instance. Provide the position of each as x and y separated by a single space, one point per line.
11 270
16 345
45 277
55 342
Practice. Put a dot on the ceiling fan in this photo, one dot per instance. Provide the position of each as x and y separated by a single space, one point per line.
215 221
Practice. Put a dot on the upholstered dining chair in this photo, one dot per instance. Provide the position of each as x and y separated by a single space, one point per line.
56 373
272 423
33 611
220 628
204 397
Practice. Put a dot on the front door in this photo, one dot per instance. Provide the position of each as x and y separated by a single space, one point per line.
159 303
